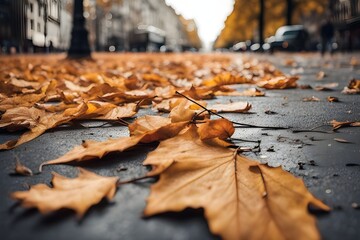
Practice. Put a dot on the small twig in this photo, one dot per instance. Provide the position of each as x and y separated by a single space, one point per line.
244 125
244 140
123 122
235 123
309 130
119 183
312 129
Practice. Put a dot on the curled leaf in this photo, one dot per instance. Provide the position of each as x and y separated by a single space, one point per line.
21 169
234 107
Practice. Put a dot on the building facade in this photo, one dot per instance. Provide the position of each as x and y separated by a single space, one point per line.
113 25
31 25
135 25
346 18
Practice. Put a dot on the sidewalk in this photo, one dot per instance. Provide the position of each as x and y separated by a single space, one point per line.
329 168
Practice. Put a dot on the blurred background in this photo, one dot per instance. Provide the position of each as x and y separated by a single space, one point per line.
41 26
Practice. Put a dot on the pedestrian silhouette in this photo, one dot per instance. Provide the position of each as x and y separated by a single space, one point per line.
327 35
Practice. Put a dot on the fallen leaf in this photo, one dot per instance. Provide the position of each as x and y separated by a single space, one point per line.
220 128
320 75
41 123
326 87
21 169
281 82
234 107
225 79
341 140
181 112
269 112
353 87
78 194
332 99
336 124
90 149
238 195
311 99
290 63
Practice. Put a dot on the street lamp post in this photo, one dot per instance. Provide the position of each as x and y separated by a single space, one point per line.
79 46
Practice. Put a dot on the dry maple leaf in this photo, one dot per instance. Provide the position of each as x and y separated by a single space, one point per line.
78 194
336 124
146 124
90 149
241 198
234 107
280 82
108 111
39 121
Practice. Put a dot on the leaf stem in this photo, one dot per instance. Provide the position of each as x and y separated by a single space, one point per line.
235 123
119 183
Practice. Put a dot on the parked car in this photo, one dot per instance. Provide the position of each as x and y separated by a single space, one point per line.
242 46
292 38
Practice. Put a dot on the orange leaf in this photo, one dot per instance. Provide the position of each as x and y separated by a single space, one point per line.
280 82
238 195
220 128
78 194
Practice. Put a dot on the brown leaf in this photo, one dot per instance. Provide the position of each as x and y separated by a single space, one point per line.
181 112
78 194
21 169
225 79
280 82
336 124
92 149
146 124
220 128
238 195
235 107
108 111
40 124
332 99
353 87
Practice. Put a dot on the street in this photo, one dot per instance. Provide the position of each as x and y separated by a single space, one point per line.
328 165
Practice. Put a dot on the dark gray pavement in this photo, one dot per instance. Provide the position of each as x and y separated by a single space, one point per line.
326 169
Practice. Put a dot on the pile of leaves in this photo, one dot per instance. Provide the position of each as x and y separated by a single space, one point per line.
203 169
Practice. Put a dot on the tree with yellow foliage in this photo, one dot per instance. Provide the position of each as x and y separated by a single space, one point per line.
243 23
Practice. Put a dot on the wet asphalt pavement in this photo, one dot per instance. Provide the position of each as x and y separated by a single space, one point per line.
330 169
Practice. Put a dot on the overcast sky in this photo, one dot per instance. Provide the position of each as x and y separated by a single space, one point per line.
208 14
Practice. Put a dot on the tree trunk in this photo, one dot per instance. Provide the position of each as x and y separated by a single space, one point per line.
79 46
289 11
